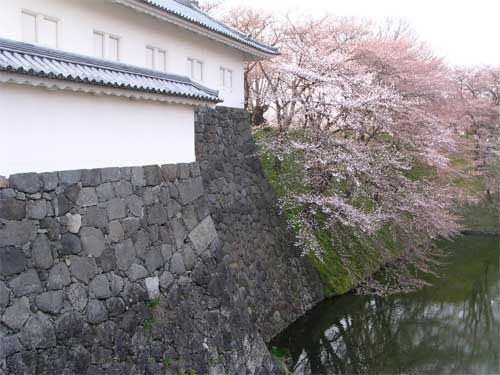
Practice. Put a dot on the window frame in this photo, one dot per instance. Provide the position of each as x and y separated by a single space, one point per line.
156 51
106 45
192 61
224 74
40 17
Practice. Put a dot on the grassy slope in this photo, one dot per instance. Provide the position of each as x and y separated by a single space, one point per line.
362 254
349 255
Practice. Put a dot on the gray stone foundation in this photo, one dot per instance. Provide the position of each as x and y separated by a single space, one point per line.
117 271
277 284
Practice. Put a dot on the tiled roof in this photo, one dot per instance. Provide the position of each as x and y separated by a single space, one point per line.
28 59
198 17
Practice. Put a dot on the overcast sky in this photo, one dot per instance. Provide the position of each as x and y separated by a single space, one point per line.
466 32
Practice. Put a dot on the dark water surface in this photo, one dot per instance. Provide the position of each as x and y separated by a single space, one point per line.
452 327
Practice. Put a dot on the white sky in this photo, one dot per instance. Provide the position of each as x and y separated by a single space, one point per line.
466 32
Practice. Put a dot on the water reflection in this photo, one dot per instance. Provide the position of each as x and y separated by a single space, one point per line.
452 327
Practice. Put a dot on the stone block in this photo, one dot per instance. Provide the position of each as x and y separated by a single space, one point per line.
67 178
183 171
38 333
173 208
177 264
16 233
135 206
50 302
51 225
131 225
190 190
87 197
153 287
12 261
116 209
166 279
188 256
73 222
96 312
116 283
110 174
115 231
59 277
107 261
136 272
36 210
92 241
169 172
138 178
115 306
91 177
8 346
179 232
70 244
203 235
42 253
105 192
17 314
26 283
69 325
99 287
61 205
96 217
156 214
82 268
152 175
123 189
77 296
72 192
190 217
12 209
26 182
154 259
50 180
125 254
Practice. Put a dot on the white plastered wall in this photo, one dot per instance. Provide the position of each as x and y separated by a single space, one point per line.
42 131
79 18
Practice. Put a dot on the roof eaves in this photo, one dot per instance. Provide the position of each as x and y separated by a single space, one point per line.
55 57
224 30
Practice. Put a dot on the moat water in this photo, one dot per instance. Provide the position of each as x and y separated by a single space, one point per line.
452 327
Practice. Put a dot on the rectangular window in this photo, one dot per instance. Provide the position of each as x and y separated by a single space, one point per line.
150 58
113 48
48 32
195 69
156 58
161 60
98 45
29 27
40 29
226 78
106 46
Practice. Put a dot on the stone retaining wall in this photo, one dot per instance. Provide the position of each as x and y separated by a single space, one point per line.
277 284
150 270
118 271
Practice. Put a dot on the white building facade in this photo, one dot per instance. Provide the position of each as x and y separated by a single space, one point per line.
119 77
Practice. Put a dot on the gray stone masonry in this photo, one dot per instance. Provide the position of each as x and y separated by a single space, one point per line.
274 280
84 253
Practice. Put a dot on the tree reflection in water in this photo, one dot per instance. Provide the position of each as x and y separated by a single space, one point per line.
452 327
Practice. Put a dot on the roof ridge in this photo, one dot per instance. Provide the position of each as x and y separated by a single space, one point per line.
74 58
223 29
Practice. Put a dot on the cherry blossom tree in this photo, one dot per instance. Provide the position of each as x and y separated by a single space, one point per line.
364 109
